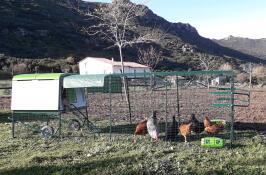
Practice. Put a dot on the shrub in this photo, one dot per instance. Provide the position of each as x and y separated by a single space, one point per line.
242 77
259 71
75 68
226 67
71 60
20 68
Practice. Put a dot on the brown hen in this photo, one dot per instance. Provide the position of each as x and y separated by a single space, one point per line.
141 129
185 130
211 128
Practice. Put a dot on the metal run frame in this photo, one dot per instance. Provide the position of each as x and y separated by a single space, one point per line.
229 102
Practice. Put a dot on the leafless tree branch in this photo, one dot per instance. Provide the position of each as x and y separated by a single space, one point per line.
149 57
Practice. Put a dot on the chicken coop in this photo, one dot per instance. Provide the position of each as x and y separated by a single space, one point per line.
114 106
46 103
173 96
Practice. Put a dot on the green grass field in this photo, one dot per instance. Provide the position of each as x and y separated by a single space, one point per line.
85 155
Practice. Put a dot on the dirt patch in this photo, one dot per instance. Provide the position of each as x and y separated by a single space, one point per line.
256 112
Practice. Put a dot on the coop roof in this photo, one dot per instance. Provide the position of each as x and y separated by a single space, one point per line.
44 76
82 81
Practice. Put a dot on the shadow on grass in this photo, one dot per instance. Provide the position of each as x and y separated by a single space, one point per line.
104 166
235 146
250 126
127 129
130 128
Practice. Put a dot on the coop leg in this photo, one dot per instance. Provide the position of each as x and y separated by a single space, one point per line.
60 124
185 139
13 126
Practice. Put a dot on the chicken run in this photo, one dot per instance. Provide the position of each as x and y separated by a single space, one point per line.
173 106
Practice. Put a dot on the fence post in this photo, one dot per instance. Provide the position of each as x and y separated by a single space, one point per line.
232 110
13 125
128 102
145 83
166 107
60 124
177 100
135 80
152 91
250 76
110 108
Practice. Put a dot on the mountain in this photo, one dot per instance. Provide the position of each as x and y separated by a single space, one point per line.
255 47
38 29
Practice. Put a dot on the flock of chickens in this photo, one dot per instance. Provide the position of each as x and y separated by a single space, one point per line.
185 129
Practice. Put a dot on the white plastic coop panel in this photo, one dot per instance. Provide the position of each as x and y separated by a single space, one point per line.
35 95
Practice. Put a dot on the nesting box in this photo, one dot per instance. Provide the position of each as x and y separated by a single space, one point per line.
43 92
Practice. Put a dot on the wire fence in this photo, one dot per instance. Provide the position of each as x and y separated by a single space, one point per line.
114 111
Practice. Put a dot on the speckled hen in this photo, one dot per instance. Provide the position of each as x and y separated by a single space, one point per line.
152 126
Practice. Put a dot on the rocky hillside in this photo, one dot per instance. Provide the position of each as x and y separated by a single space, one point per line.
37 29
255 47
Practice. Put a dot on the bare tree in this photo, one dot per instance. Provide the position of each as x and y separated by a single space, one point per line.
206 63
248 68
149 57
116 22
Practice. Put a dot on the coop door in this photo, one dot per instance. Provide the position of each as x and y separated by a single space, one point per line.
76 97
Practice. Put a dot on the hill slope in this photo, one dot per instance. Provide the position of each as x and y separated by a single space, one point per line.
51 28
255 47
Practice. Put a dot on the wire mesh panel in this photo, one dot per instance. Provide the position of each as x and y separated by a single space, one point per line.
172 95
30 124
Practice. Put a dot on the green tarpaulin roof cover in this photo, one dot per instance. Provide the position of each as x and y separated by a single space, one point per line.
69 80
44 76
80 81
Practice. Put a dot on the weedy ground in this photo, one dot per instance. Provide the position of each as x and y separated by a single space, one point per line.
88 155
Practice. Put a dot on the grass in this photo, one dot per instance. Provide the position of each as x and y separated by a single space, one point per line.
85 155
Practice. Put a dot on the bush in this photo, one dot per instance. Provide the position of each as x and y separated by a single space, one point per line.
242 77
20 68
259 71
75 68
226 67
71 60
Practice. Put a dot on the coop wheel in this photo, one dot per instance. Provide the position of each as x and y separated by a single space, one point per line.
74 125
47 131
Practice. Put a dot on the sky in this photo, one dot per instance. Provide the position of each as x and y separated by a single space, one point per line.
214 18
